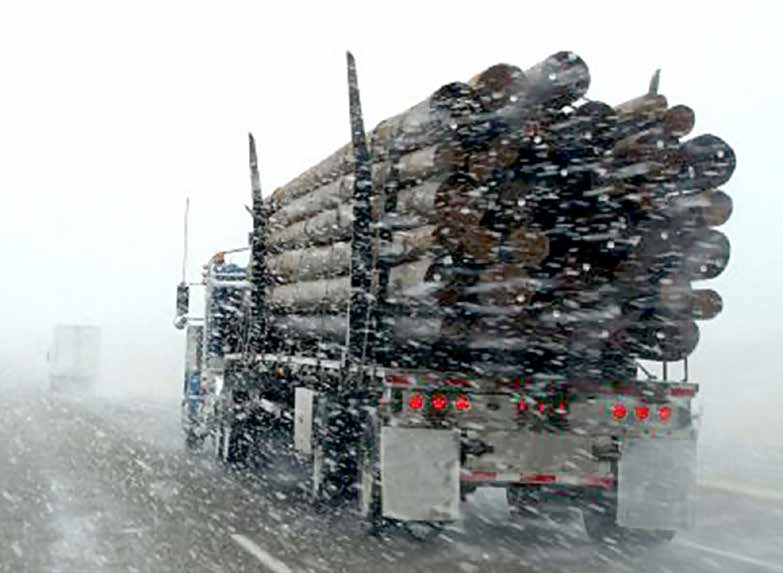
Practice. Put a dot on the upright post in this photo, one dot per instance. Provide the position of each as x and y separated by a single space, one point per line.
258 325
361 246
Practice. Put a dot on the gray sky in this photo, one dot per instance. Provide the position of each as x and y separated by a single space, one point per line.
111 114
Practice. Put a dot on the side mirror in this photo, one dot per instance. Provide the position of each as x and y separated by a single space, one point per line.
183 305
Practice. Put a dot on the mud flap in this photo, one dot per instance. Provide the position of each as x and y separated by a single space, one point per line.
304 404
656 484
420 474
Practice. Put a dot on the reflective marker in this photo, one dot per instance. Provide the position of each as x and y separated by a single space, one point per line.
642 413
439 402
462 402
619 411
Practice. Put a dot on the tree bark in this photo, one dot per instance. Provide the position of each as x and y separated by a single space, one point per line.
708 162
706 209
499 86
412 169
679 120
659 340
413 284
333 327
525 247
324 228
311 263
420 126
557 81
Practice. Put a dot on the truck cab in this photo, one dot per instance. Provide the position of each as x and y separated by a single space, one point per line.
208 339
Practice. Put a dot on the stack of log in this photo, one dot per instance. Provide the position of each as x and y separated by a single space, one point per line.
514 220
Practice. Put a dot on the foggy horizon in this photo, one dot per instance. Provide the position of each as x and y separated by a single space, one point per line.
109 125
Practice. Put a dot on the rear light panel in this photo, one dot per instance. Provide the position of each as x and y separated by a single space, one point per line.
653 412
416 402
438 402
639 413
665 413
642 412
462 402
619 411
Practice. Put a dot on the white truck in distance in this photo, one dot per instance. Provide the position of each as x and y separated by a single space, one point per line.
74 357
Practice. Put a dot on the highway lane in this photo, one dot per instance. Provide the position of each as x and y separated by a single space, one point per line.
99 485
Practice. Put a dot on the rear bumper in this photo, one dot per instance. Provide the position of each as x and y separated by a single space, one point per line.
480 478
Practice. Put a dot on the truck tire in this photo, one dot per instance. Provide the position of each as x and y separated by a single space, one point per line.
321 486
193 442
232 444
333 464
369 473
218 439
236 448
523 501
600 521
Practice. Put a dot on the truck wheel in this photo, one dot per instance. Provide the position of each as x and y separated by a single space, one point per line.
317 474
321 488
232 442
236 446
218 439
600 521
369 473
193 442
226 446
523 501
333 467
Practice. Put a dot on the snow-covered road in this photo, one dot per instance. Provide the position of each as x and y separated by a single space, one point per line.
103 485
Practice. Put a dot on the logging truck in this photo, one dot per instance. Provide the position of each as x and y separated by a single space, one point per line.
411 343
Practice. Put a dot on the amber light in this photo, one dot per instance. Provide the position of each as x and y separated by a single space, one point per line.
439 402
619 411
462 402
416 402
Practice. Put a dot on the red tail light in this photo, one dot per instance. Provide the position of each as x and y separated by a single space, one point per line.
522 406
642 413
416 402
561 409
439 402
462 402
664 413
541 407
619 411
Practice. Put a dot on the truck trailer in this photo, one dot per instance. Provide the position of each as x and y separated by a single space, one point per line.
368 327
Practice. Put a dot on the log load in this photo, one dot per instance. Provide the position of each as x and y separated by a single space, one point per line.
514 222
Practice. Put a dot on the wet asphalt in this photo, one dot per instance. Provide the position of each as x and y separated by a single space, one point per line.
93 485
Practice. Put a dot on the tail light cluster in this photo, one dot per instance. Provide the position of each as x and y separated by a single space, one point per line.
641 412
439 402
